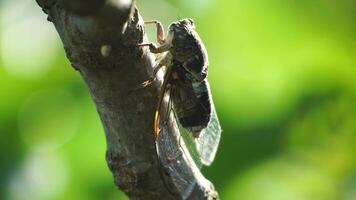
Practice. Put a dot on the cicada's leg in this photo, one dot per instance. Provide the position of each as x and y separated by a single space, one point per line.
154 49
165 43
165 60
149 81
154 73
160 31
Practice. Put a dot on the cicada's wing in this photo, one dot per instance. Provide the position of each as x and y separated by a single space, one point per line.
203 148
177 174
180 158
177 166
208 141
191 144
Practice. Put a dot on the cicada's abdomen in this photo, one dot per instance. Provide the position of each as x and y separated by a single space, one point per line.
191 101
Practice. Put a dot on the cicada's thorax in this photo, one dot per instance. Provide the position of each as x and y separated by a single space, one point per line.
188 49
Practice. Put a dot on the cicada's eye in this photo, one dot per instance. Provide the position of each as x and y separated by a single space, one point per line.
170 29
173 27
191 21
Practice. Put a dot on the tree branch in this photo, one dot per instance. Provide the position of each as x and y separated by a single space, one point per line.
100 37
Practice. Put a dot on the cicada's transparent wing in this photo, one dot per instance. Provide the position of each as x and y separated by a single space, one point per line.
191 144
208 141
177 166
180 158
178 176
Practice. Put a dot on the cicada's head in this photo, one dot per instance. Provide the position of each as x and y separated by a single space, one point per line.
184 25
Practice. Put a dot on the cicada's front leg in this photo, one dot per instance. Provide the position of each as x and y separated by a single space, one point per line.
160 30
154 74
165 60
165 44
154 49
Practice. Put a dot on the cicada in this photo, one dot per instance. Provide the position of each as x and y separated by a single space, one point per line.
186 87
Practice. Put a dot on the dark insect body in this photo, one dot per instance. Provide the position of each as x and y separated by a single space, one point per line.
190 99
188 58
185 84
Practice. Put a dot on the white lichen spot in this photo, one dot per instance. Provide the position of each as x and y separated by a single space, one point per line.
105 50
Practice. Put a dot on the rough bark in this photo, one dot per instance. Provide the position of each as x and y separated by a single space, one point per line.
100 37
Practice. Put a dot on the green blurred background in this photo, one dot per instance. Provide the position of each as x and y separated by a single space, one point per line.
282 74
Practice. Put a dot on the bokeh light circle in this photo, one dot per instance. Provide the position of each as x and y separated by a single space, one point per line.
43 176
28 45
